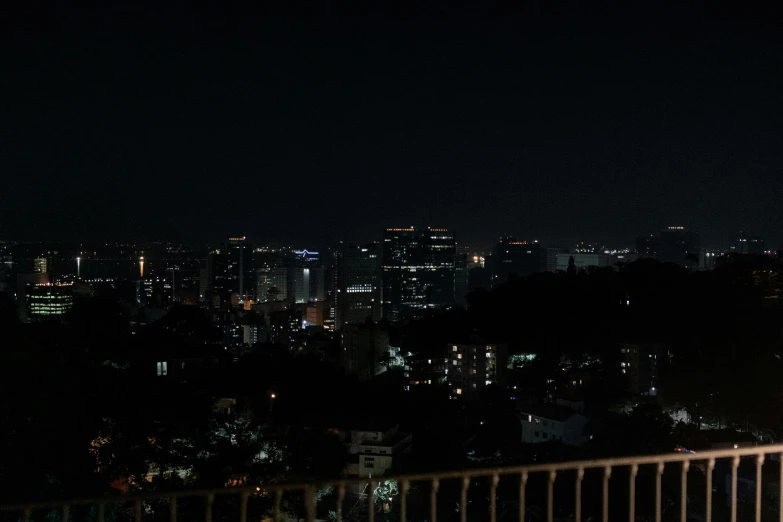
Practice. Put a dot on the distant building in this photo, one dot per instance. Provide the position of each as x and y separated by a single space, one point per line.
376 451
648 247
584 261
553 423
472 367
461 280
513 257
40 265
745 244
479 277
677 243
232 277
361 349
424 371
418 270
640 363
358 294
46 302
314 314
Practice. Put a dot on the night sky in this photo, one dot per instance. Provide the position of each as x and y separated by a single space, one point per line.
583 121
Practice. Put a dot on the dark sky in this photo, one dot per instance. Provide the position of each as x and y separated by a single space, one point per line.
587 120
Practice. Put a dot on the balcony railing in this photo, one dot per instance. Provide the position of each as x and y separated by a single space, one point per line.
618 476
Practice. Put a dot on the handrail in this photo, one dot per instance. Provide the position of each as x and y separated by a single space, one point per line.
734 456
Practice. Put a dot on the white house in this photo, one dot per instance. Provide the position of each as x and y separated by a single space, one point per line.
553 423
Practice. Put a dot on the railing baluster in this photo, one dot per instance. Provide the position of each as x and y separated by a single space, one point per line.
710 468
658 473
580 474
101 512
522 486
173 509
759 463
607 475
64 512
780 493
550 496
463 500
493 495
632 493
434 500
340 499
276 505
404 500
371 502
137 511
243 506
208 507
686 464
734 466
309 503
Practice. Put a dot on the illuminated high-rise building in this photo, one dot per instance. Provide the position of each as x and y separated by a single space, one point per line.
745 244
232 274
418 270
358 284
514 257
46 302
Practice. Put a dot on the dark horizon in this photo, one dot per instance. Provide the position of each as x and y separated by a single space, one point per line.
567 123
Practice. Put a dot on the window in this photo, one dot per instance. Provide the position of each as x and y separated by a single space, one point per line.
536 434
546 435
369 462
546 423
459 356
454 362
538 421
474 384
459 391
163 369
453 348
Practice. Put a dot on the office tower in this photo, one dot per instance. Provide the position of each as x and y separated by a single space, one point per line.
745 244
583 261
361 349
461 286
418 270
472 367
185 283
306 277
45 302
517 258
648 246
358 285
40 265
678 244
272 284
232 274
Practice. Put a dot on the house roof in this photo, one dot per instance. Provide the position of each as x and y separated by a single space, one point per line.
550 412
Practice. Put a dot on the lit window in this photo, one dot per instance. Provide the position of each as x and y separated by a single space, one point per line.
453 348
454 362
459 356
459 391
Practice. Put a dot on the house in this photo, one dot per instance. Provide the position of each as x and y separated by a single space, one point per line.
375 452
553 423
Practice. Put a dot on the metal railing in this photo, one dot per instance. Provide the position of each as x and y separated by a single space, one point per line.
564 505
